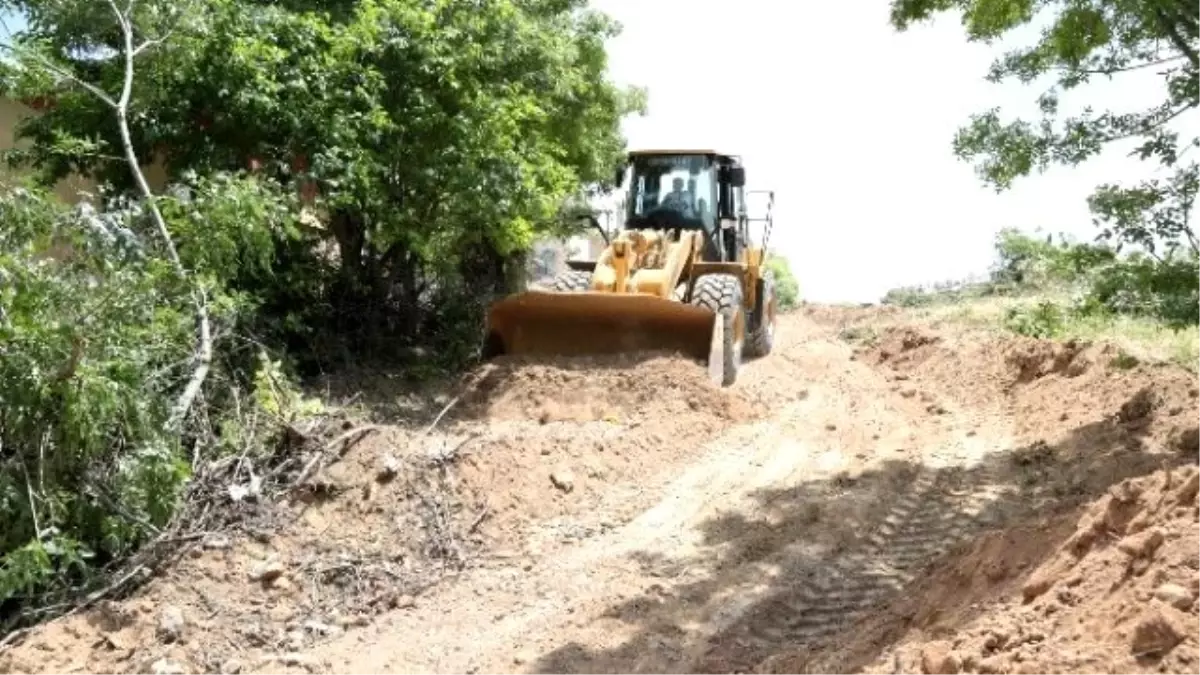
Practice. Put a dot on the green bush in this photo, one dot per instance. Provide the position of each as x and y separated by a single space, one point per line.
1043 320
97 335
787 289
93 332
1028 262
1167 290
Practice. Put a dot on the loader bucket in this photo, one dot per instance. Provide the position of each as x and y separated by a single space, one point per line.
576 324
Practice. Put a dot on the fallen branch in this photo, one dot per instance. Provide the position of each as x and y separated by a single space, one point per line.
434 423
330 446
483 515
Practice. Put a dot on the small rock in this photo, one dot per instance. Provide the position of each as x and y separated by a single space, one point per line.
1174 595
354 621
1142 544
1186 440
267 571
217 542
405 601
938 658
1158 630
321 628
563 480
295 640
991 665
167 667
1036 585
232 667
388 468
171 624
830 427
292 659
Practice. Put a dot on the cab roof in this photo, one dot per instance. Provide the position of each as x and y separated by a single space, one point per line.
736 160
676 151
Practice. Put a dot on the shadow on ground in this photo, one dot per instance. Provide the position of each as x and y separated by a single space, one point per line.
825 553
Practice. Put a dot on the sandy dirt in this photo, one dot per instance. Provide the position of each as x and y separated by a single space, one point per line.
875 496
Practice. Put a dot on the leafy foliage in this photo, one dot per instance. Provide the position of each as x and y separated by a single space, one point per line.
787 289
1100 281
438 139
91 326
1084 41
1042 320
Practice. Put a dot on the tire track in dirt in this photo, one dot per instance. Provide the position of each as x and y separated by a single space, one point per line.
669 589
917 517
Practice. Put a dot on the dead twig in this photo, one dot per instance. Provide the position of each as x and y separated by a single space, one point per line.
364 429
310 466
483 515
446 455
13 637
440 415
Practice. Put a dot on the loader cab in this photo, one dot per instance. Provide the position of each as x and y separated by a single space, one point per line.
687 190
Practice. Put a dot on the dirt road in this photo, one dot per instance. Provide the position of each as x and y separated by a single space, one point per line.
643 521
758 499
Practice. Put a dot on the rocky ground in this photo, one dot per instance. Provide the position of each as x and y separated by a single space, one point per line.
878 495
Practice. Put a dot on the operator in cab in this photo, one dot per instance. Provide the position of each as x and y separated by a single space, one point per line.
679 200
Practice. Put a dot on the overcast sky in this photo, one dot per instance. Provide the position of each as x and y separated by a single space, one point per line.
851 124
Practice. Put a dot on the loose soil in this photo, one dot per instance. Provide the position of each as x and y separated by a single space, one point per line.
875 496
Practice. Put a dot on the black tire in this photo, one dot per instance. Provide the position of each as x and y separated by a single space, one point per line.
762 338
572 281
722 294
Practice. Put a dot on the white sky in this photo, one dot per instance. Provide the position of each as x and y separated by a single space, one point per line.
851 124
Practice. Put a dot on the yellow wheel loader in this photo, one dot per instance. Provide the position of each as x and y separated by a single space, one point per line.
682 275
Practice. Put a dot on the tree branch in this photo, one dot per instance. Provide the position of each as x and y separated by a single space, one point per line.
1129 68
52 68
204 343
1170 27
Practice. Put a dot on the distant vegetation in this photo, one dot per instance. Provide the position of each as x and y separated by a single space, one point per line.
1043 286
787 289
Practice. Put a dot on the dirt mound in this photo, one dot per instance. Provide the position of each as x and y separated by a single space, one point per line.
598 388
1079 418
1110 589
563 433
529 455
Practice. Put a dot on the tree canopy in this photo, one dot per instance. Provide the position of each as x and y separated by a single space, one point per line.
437 134
1083 41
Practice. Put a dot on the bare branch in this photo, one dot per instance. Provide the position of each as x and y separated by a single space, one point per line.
123 18
204 341
1129 68
151 43
53 69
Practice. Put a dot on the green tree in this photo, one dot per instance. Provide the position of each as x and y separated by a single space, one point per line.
1083 41
441 137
